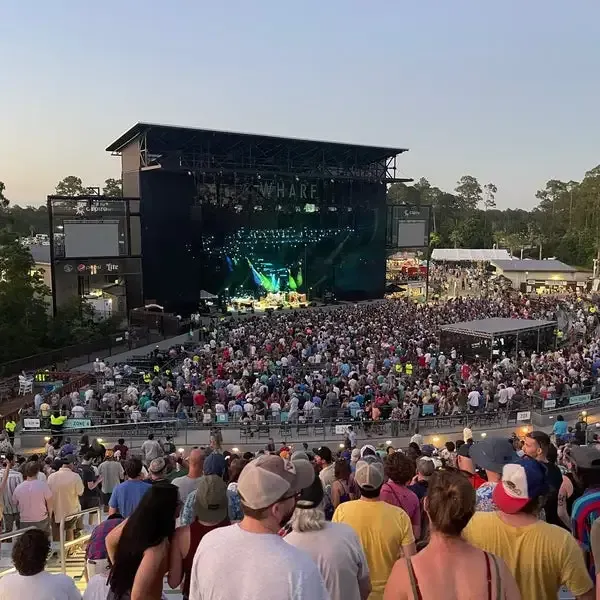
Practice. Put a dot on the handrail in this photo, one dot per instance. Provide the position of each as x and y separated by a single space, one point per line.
64 544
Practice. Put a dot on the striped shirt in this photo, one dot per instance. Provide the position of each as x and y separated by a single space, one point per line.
14 479
586 509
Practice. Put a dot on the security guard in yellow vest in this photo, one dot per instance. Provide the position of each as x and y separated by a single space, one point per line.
147 378
10 429
42 376
398 367
156 369
409 368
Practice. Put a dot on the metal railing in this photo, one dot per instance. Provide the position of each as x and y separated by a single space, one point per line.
64 545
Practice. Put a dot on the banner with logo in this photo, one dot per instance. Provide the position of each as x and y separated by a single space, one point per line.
77 423
550 403
31 423
524 415
580 399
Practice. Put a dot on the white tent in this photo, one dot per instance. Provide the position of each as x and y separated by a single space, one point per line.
469 255
204 295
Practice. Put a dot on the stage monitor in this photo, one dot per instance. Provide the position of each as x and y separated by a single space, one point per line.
88 239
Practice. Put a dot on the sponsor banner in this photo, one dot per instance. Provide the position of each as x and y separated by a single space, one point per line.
580 399
341 429
550 403
428 409
31 423
524 415
77 423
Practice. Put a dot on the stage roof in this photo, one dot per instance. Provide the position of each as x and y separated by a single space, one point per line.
488 328
164 138
533 265
469 254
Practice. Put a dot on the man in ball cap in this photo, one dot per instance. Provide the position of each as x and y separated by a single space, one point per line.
385 531
268 488
541 557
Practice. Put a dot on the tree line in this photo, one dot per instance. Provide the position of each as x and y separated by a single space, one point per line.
565 223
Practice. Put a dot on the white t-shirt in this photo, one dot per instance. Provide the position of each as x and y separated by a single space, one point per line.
43 586
97 588
338 553
292 575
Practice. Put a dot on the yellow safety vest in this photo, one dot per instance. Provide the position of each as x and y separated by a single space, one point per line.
41 376
156 369
398 367
409 368
147 378
10 426
57 420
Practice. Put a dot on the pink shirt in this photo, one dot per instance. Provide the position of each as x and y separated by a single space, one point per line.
402 497
30 498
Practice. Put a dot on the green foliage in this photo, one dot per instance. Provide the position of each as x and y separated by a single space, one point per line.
23 310
70 186
113 188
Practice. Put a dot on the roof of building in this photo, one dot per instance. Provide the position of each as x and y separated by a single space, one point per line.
469 254
527 264
487 328
40 254
163 138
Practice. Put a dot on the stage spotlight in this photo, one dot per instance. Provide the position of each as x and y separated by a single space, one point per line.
258 207
333 209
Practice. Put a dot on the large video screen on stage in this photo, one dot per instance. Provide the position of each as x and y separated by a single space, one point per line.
302 243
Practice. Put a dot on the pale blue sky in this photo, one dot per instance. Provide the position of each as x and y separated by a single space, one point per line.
507 91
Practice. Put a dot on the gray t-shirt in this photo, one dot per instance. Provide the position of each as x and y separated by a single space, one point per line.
186 485
291 574
111 472
338 553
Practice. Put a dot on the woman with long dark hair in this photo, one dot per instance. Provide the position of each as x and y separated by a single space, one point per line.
139 547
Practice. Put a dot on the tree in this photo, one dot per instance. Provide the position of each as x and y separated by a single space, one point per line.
113 188
70 186
4 202
468 191
489 196
23 307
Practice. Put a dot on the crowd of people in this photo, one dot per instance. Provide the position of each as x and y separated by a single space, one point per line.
499 518
367 362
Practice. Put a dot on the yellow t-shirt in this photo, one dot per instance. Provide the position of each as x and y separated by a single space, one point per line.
542 557
382 529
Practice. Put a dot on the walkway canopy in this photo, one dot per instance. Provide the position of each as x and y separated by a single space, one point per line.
469 255
491 338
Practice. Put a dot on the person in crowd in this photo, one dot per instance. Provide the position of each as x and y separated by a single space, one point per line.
151 449
96 553
542 557
158 470
491 455
31 581
127 495
91 483
537 445
5 446
385 531
214 466
66 487
122 448
111 473
466 466
586 509
448 454
467 571
11 478
324 460
400 470
268 487
340 488
233 497
560 428
33 498
138 548
10 427
425 469
211 512
334 547
187 483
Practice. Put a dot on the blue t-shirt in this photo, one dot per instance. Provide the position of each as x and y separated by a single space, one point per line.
560 428
127 495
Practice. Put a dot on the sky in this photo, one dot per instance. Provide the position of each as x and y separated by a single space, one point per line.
505 91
